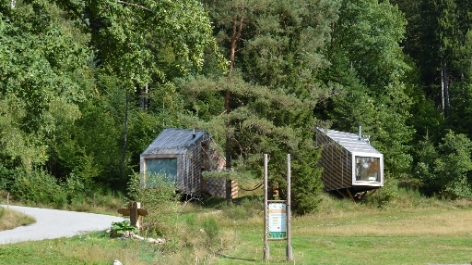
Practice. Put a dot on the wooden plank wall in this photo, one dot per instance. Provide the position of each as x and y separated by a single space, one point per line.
234 189
189 172
336 162
199 158
215 186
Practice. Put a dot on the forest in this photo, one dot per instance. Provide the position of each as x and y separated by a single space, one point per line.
85 86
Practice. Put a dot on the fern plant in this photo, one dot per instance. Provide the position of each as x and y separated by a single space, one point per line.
120 228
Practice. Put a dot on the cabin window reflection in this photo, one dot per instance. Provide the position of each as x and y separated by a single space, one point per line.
160 171
367 169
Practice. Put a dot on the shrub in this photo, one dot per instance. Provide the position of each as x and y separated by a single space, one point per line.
211 229
158 191
38 187
234 212
7 177
445 169
161 202
73 186
390 190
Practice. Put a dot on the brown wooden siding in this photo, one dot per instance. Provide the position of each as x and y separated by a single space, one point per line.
336 163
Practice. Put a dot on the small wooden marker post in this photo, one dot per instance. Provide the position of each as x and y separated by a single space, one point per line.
134 211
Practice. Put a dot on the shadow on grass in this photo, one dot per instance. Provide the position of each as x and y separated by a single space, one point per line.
222 256
213 201
255 261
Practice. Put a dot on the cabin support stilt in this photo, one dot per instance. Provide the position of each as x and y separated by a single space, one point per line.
361 196
372 193
350 196
342 194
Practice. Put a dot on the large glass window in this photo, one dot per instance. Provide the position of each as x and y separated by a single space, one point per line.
165 169
367 168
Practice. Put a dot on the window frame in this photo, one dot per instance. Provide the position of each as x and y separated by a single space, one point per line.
380 179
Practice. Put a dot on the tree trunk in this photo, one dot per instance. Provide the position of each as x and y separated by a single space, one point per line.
125 137
144 97
444 89
237 29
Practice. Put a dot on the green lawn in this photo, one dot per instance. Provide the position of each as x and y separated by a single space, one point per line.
358 250
361 235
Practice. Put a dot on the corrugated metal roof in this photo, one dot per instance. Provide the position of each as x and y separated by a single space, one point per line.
174 141
350 141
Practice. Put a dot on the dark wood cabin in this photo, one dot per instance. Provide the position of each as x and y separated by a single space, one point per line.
350 163
180 156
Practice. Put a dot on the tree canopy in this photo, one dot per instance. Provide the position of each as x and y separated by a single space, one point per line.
86 85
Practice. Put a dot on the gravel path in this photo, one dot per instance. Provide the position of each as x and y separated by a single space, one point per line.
55 224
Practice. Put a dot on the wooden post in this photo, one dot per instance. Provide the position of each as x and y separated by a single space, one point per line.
94 200
134 211
8 200
289 252
266 240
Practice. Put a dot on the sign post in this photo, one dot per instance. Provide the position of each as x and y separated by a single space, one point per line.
134 211
266 232
289 252
277 216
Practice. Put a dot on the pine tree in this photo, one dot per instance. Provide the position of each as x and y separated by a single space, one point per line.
274 50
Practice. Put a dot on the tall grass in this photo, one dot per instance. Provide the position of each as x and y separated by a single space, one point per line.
10 219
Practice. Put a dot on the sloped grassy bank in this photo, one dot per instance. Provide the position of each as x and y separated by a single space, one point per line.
10 219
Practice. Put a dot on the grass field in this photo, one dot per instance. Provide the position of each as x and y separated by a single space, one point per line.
367 236
408 230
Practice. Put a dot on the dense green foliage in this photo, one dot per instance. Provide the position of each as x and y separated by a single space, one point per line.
369 66
86 85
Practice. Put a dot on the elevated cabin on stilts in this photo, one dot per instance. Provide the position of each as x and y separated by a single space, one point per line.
351 165
180 156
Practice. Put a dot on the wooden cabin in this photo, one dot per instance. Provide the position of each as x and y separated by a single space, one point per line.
350 163
180 156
